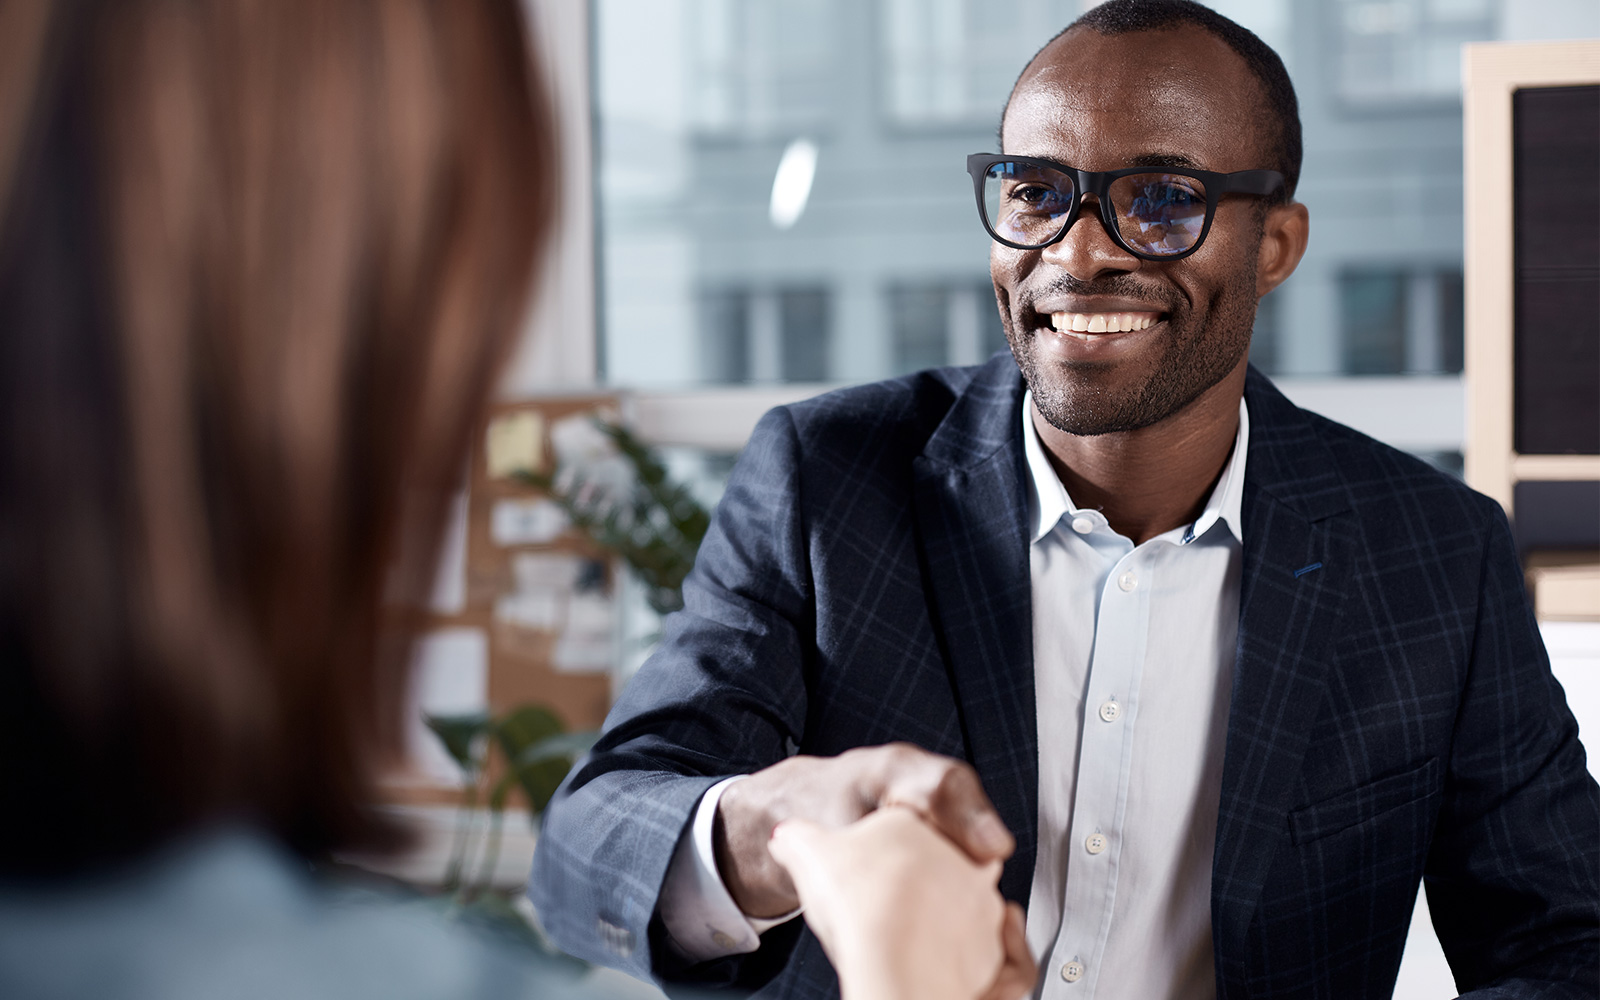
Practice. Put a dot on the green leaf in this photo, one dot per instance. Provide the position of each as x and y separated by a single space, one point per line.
458 733
540 779
655 528
524 726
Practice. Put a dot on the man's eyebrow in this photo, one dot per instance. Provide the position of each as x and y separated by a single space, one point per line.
1164 160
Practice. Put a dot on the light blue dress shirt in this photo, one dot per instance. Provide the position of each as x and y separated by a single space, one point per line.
1132 652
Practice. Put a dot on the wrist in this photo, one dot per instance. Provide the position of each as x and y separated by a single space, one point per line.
757 883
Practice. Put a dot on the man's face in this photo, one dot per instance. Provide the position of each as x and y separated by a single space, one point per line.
1097 102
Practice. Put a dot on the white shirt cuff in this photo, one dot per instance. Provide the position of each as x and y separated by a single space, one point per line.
699 913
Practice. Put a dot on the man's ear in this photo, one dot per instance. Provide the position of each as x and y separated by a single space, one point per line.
1283 243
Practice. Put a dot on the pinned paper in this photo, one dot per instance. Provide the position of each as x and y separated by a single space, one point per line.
587 644
543 582
582 655
451 677
546 570
538 610
515 443
526 522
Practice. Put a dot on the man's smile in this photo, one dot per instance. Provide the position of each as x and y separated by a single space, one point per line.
1084 323
1079 326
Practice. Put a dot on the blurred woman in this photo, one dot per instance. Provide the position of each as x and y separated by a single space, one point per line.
260 263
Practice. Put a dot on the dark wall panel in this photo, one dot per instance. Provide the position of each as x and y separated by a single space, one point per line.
1557 515
1556 133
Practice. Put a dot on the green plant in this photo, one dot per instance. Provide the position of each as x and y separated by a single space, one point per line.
653 524
534 752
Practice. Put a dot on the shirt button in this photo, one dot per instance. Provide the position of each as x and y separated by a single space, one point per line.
1095 843
1128 581
1082 525
1072 971
1110 711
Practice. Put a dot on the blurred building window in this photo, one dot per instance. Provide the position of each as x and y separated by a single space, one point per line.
1407 49
760 68
920 317
725 335
804 326
945 60
944 323
1372 314
764 334
1264 336
1398 321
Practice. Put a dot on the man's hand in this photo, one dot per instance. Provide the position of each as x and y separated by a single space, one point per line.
902 913
835 791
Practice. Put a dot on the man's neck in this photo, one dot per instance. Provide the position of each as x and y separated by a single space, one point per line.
1149 481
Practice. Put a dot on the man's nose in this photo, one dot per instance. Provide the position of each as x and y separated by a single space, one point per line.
1088 251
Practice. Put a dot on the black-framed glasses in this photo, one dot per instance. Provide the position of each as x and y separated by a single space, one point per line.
1154 213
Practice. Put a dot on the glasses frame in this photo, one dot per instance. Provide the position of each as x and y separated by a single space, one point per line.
1098 183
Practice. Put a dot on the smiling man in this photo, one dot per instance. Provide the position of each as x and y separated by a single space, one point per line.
1223 681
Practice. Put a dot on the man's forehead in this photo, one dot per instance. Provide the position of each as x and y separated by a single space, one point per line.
1178 90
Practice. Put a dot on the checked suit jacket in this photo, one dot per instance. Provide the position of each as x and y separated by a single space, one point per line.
866 579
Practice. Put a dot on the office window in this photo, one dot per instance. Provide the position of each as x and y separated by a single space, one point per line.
697 102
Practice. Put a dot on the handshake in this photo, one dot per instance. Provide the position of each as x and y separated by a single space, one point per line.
895 854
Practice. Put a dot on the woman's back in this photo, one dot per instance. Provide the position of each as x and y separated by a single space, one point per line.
260 261
230 914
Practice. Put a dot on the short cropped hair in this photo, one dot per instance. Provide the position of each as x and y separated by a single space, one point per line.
260 265
1282 127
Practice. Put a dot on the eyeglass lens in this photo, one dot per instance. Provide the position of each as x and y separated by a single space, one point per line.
1157 213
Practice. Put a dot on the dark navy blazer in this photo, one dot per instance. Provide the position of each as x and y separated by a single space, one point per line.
1393 718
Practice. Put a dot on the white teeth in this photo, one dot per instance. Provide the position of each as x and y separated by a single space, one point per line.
1070 322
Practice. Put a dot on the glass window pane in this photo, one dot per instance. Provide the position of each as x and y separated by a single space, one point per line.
724 323
1372 312
698 101
804 315
702 279
920 316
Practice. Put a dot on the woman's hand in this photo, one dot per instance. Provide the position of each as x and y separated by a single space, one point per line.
904 913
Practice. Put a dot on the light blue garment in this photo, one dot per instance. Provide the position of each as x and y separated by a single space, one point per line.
230 915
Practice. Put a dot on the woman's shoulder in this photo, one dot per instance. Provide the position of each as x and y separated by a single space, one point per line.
230 914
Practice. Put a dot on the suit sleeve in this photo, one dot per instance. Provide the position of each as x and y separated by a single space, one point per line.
723 694
1511 880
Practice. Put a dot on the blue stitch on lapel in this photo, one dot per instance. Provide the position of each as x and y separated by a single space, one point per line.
1302 571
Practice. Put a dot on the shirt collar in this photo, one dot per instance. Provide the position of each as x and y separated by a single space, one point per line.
1050 502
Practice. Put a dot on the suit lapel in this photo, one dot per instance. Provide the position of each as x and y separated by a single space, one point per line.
1297 561
970 511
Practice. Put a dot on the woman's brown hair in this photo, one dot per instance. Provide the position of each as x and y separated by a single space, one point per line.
260 263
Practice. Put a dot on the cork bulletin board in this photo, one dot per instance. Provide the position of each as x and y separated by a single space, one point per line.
524 609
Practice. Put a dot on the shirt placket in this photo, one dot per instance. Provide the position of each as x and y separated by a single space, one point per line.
1094 848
